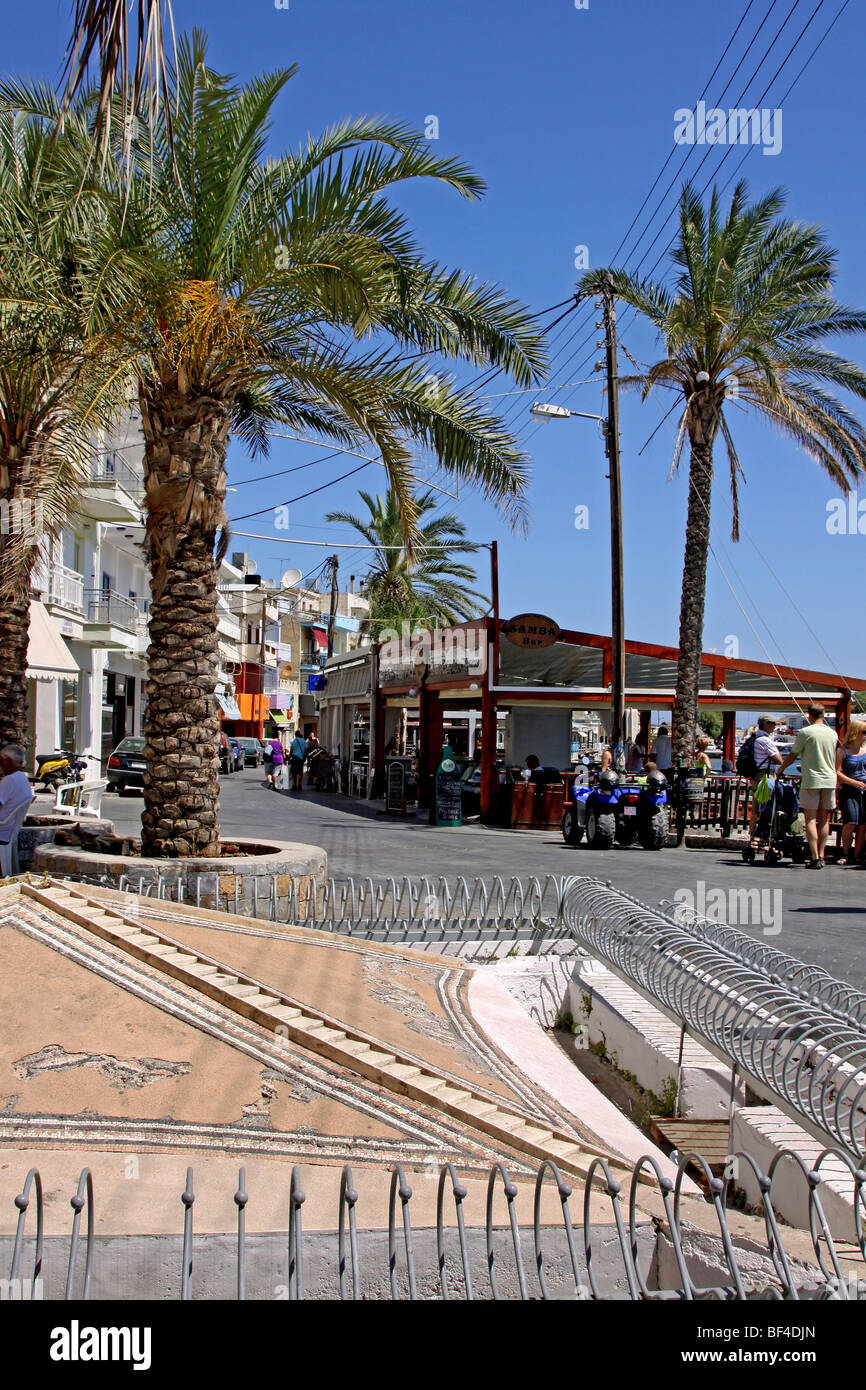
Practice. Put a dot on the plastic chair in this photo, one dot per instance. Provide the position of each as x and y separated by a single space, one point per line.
80 800
9 852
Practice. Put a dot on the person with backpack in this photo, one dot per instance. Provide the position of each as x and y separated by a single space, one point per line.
815 746
756 758
297 752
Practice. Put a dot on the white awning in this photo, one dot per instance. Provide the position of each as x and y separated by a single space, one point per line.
229 707
48 657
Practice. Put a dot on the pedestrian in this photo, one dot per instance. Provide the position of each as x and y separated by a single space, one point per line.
274 765
815 746
764 758
851 789
297 752
15 793
662 750
635 757
702 757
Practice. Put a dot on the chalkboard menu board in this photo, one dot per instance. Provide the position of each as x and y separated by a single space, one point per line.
395 787
447 801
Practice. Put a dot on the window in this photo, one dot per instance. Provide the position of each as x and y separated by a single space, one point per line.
68 700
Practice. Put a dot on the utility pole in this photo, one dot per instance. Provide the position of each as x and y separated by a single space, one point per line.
617 630
333 562
262 668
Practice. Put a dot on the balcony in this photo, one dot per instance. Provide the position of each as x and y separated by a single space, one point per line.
114 621
114 490
61 588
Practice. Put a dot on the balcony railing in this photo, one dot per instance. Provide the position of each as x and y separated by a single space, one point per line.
112 468
64 588
107 607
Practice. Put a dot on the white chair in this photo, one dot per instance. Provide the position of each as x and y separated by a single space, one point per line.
9 852
79 800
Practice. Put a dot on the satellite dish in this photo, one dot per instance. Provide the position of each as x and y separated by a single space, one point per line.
290 579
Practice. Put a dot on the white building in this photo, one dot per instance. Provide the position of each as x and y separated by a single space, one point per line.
87 658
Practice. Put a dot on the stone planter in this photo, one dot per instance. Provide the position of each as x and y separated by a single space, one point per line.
40 830
267 882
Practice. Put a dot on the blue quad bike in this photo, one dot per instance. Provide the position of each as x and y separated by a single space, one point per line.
624 812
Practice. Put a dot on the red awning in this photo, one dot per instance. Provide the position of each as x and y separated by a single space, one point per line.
321 638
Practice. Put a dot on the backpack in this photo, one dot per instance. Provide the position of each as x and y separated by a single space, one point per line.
747 765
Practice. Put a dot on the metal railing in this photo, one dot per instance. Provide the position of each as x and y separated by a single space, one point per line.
62 586
386 909
471 1264
113 468
107 606
807 1050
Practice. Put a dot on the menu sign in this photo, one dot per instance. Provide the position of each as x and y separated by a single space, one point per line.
395 787
447 800
531 630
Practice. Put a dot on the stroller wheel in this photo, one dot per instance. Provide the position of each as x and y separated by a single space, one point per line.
773 856
749 854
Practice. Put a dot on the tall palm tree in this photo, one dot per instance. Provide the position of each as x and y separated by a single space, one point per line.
277 291
746 322
428 588
55 392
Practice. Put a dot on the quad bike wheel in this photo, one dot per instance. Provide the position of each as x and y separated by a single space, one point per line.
749 854
653 832
600 830
572 833
773 856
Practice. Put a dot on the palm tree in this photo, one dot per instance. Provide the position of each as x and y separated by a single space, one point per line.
746 322
282 291
55 393
427 589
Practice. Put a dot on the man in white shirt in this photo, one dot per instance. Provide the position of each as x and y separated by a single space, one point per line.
662 750
15 789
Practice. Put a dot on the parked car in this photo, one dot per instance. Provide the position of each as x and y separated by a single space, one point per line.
238 754
252 750
227 754
126 766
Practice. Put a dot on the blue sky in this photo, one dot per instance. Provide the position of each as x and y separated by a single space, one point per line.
568 115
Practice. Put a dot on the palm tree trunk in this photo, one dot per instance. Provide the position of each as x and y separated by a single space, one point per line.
14 603
14 632
185 446
692 602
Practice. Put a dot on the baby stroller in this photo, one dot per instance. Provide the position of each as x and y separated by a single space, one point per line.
780 828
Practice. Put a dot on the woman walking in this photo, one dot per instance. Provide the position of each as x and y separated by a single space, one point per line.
274 764
851 781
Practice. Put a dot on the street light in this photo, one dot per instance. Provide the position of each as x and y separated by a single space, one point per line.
545 411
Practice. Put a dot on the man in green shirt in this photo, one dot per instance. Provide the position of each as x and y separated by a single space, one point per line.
815 746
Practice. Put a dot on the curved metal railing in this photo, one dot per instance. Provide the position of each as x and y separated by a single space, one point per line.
809 1057
502 1248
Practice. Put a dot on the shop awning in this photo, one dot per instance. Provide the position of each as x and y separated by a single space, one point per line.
48 657
276 716
228 705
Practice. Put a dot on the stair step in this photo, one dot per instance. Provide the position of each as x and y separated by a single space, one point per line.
246 991
200 967
357 1048
480 1108
402 1071
377 1056
533 1133
454 1095
286 1013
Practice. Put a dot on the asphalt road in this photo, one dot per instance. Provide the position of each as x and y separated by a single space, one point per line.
819 917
